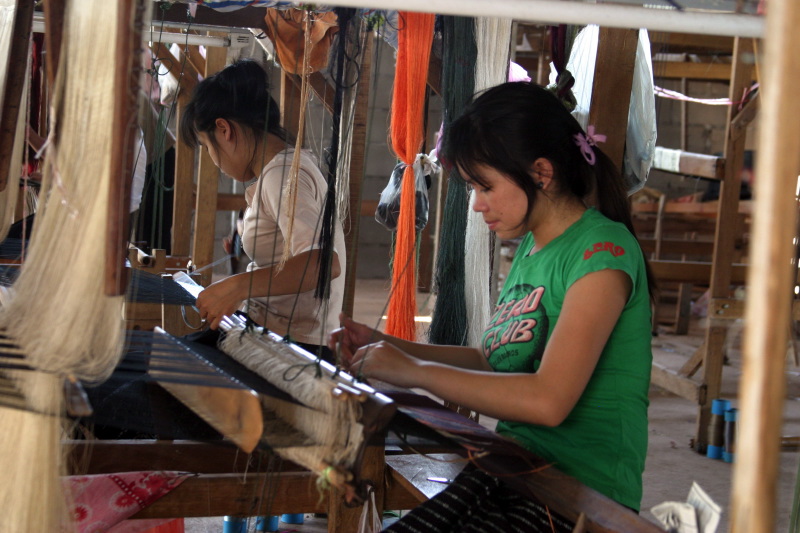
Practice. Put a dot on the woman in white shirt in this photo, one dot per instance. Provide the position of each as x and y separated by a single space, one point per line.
232 115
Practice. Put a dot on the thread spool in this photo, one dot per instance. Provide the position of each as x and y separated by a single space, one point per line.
716 429
293 518
729 450
234 524
267 523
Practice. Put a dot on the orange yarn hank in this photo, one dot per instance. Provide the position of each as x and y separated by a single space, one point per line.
411 75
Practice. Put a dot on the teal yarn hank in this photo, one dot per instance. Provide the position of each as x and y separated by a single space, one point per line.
449 320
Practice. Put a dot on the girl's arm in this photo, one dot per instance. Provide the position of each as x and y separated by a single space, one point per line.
353 335
590 311
299 274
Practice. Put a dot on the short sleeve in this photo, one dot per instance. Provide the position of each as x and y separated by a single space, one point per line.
611 246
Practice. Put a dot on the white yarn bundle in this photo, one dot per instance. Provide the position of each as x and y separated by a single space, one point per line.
58 314
493 41
8 197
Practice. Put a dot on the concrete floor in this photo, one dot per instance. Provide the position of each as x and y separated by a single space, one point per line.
671 465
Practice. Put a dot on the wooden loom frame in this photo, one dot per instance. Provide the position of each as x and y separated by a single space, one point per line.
783 7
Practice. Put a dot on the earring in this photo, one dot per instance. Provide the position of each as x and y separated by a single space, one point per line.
540 185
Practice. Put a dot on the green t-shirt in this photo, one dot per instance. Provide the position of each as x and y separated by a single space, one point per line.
603 441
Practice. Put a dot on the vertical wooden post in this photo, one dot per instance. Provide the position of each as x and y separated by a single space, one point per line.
183 196
184 187
770 278
683 307
357 162
16 73
126 89
342 519
54 30
611 89
205 211
722 258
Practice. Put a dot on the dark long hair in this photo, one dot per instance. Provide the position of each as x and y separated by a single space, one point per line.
510 126
237 93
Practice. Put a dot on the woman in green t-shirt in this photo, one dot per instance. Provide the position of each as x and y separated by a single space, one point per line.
565 359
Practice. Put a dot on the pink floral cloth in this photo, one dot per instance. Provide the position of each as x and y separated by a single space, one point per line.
100 502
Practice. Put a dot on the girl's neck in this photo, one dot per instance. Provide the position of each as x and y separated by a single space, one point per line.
555 220
266 149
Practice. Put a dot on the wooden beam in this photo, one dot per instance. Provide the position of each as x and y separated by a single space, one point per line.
693 364
183 188
763 386
111 456
246 17
722 274
677 246
345 519
744 117
693 71
54 30
693 272
568 497
16 74
710 209
357 163
731 309
195 59
611 89
205 209
258 494
675 383
250 494
127 49
690 42
230 202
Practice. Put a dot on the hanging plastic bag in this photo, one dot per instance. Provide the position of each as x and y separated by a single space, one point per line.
640 144
426 168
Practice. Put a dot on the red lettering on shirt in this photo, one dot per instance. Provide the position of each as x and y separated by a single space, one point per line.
610 247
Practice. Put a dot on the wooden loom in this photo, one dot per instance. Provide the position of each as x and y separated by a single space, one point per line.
399 478
573 492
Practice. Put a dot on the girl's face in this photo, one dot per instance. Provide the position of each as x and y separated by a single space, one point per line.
502 203
227 154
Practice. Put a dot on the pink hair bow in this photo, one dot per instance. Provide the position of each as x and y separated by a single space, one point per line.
585 143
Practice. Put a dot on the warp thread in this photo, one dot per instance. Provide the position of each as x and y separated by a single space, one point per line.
329 219
329 422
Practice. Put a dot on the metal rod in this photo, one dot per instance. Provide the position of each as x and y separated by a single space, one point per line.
582 13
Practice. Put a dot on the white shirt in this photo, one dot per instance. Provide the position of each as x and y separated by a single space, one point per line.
266 225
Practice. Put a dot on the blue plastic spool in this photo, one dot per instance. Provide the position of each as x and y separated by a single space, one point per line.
729 450
234 524
716 441
294 518
267 523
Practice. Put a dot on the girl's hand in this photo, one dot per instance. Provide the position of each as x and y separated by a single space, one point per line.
347 339
217 300
386 362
